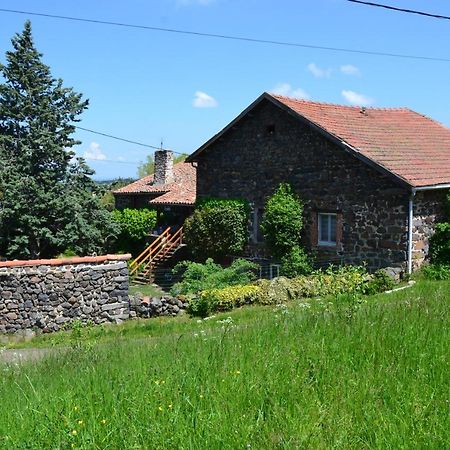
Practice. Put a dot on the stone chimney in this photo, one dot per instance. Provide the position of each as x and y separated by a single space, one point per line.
163 167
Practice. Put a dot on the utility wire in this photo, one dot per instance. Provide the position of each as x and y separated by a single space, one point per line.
126 140
229 37
393 8
123 139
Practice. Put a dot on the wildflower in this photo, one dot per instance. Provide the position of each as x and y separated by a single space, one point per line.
157 382
75 408
170 406
74 432
201 395
160 408
80 422
72 445
103 421
238 372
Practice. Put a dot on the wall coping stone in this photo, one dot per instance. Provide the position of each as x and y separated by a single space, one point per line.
65 261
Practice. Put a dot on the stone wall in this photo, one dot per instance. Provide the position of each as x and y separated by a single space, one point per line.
47 294
428 209
269 146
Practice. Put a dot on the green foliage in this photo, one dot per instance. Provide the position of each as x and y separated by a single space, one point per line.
107 188
136 225
198 277
345 280
148 166
282 221
49 201
379 282
295 263
217 228
223 299
437 271
440 244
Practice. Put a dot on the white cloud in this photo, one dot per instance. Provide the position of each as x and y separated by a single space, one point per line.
203 100
121 158
287 90
319 72
349 69
94 152
357 99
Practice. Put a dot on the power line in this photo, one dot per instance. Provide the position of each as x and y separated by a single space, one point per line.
122 139
229 37
410 11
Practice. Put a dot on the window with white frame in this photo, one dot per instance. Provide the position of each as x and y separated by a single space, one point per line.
327 229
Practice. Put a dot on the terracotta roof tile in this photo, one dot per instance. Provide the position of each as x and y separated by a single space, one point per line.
181 192
410 145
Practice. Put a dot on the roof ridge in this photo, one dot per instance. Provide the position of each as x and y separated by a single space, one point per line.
340 105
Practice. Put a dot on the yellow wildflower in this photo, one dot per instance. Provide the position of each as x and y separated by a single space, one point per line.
170 406
103 421
160 408
74 432
80 422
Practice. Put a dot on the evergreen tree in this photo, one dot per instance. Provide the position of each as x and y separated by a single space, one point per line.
48 201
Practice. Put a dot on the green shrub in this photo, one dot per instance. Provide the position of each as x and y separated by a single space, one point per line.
217 228
136 225
295 263
272 292
440 244
230 297
198 277
379 282
282 221
437 272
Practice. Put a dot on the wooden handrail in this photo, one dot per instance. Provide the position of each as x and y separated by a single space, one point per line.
143 256
161 245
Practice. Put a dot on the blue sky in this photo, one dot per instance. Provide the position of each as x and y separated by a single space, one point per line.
147 85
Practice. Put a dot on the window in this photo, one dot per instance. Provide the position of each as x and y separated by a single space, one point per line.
327 229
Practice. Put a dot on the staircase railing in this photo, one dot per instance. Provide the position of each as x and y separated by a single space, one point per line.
149 252
158 248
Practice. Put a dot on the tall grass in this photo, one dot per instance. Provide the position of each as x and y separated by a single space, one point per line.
312 375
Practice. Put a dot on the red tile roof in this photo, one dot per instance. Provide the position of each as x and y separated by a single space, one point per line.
181 192
413 147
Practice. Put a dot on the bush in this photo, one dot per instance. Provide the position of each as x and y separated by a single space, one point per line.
440 244
198 277
217 228
380 282
282 221
136 225
295 263
437 272
223 299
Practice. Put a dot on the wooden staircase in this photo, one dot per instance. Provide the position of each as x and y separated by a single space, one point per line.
160 250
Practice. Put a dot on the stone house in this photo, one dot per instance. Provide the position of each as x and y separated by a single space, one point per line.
170 190
373 180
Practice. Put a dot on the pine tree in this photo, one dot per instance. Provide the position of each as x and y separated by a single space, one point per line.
48 201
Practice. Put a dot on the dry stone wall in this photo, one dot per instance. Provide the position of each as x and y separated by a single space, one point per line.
47 294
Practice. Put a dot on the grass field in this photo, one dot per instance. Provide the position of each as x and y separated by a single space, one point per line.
329 373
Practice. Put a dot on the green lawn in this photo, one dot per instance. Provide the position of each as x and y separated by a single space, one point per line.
319 374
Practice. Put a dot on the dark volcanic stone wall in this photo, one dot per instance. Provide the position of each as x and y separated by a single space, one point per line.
269 146
428 209
46 294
